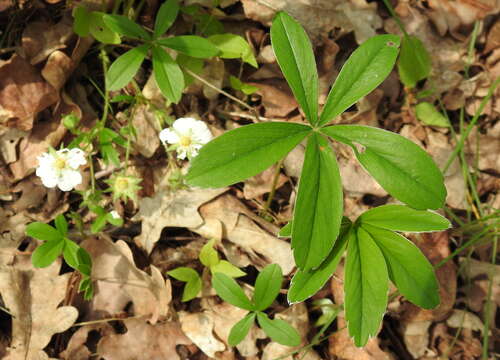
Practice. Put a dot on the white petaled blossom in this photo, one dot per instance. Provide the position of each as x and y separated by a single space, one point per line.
115 215
186 136
61 168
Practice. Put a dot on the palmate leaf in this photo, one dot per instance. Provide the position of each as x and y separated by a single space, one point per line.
124 68
319 204
305 284
408 268
365 69
404 218
124 26
365 286
295 57
243 152
400 166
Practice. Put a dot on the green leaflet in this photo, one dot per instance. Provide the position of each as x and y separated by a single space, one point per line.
243 152
365 287
429 115
319 204
124 68
267 286
414 63
230 291
295 57
191 45
42 231
408 268
240 330
400 166
192 280
234 47
365 69
166 16
47 253
124 26
305 284
404 218
279 330
168 75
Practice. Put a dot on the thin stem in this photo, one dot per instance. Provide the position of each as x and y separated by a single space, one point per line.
488 307
207 83
470 53
276 176
471 125
105 62
395 16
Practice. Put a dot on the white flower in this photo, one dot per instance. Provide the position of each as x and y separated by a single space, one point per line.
114 214
60 168
187 135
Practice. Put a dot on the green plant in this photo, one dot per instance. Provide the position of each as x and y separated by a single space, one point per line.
267 288
56 243
210 259
318 234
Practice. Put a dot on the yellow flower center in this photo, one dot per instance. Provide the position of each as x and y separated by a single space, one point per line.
121 184
60 163
185 141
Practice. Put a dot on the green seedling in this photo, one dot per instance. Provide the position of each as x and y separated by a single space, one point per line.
267 288
56 243
210 259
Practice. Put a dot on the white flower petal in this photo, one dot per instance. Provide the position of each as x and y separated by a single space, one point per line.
49 180
114 214
181 153
184 126
168 136
69 179
45 160
76 158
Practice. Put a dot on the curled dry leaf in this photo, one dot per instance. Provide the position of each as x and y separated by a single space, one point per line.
120 282
174 208
143 341
199 328
249 244
37 315
146 125
321 16
23 93
57 69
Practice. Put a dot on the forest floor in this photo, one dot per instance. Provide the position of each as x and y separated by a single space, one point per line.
137 312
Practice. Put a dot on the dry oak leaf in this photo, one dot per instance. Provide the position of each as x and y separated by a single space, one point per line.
33 297
321 16
199 328
23 93
145 123
143 341
119 281
170 208
249 243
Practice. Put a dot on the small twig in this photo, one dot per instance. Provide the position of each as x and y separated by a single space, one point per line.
83 323
212 86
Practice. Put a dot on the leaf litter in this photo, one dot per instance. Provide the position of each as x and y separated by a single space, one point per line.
44 77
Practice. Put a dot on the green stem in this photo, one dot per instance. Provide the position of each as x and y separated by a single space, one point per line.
395 16
471 125
488 307
276 176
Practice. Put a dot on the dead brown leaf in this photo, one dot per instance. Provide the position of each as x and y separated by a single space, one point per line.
199 327
143 341
57 69
260 184
277 98
174 208
146 125
36 312
321 16
119 281
23 93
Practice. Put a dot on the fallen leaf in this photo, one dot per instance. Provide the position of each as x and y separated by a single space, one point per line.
170 208
40 38
57 69
199 328
23 93
277 98
143 341
466 320
119 282
146 126
321 16
247 242
36 312
260 184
